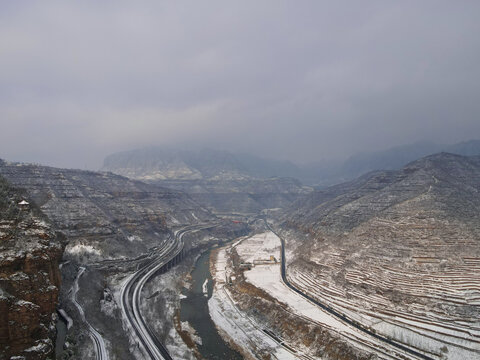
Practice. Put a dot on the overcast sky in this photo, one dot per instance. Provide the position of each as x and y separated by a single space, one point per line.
299 80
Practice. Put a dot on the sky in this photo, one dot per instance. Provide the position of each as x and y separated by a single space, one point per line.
296 80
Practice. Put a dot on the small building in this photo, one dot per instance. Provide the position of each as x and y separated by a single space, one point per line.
246 265
271 260
24 205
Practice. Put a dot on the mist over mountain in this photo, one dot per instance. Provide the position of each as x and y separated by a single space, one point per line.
156 163
230 180
399 156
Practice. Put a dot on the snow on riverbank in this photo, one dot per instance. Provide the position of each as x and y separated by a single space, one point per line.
263 253
235 325
268 278
205 288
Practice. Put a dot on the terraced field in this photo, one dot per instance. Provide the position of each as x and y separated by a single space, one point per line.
410 268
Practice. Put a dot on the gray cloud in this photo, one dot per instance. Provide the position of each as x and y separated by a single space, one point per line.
299 80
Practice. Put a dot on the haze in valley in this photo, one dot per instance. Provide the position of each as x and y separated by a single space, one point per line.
302 81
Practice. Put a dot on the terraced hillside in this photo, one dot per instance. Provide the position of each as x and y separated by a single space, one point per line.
221 181
398 251
247 195
104 215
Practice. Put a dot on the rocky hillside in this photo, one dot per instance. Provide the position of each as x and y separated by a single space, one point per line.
155 164
29 278
398 251
222 181
104 216
390 159
112 226
152 164
241 196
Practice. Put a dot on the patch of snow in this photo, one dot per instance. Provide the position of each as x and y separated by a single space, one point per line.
191 331
67 318
259 247
26 304
39 348
205 288
268 278
82 249
236 325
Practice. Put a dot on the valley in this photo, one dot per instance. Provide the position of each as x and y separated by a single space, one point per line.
239 180
384 266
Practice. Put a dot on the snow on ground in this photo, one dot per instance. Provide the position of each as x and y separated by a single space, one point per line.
82 249
268 278
236 325
67 318
191 331
133 238
266 275
259 247
174 343
167 289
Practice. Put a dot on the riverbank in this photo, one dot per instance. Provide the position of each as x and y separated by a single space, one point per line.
196 326
254 308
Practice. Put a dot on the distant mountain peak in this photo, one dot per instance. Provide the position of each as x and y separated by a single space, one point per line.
152 164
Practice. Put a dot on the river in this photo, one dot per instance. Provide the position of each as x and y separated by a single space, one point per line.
61 334
194 309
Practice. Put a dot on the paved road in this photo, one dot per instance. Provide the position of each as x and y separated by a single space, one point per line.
100 349
132 289
339 315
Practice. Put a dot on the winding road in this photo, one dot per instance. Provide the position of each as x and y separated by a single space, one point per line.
100 349
340 315
132 289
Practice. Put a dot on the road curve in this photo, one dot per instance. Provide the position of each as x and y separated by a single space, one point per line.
340 315
100 349
132 289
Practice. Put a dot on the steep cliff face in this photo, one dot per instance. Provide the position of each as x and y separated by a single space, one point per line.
29 278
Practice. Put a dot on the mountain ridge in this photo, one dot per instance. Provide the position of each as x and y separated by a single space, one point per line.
398 250
157 164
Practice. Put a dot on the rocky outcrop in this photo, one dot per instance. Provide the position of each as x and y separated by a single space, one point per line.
29 278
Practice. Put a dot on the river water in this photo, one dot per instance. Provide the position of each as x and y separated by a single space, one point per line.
194 309
61 334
